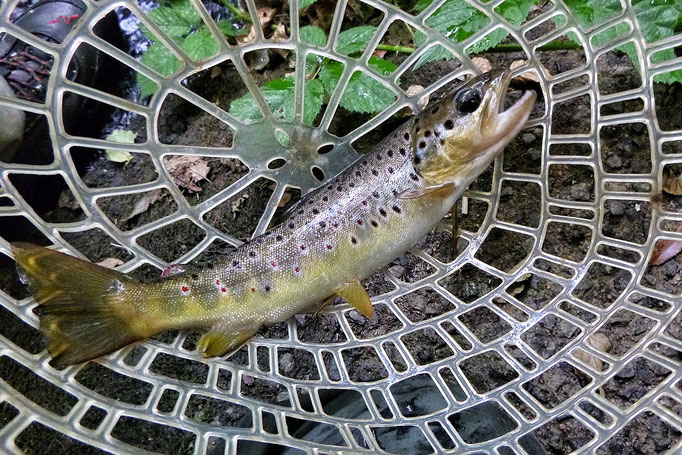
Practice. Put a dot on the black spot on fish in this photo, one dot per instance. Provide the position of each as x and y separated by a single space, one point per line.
414 177
417 160
375 194
364 202
310 202
417 129
315 211
407 136
351 184
353 240
301 212
449 124
195 276
364 162
422 144
325 198
395 192
359 222
374 223
291 225
252 254
390 153
267 288
337 181
382 212
435 109
339 188
427 133
402 151
279 238
375 172
235 263
379 157
390 170
396 209
323 224
437 133
210 266
358 173
442 142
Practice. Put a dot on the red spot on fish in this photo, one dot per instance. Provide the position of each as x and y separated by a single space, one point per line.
364 202
297 269
335 225
329 247
272 263
66 20
303 247
223 290
253 289
185 289
217 282
360 222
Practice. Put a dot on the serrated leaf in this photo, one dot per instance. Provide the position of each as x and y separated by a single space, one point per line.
186 11
161 60
305 3
421 5
124 137
592 12
229 29
313 35
329 75
354 39
313 99
200 45
170 22
366 95
279 95
657 18
432 54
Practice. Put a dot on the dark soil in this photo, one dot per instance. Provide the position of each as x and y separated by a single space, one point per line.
622 150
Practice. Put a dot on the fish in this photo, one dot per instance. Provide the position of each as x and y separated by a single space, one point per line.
327 243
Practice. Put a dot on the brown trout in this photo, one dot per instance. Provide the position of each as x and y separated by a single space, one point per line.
329 241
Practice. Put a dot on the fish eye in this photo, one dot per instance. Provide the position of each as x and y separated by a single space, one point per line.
468 100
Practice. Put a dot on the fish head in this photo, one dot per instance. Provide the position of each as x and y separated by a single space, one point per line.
457 138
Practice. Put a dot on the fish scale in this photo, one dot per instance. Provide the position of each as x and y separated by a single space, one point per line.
328 242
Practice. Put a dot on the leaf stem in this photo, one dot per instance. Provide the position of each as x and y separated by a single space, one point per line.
388 47
239 14
512 47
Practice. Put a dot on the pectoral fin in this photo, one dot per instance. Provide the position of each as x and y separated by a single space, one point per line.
441 191
355 294
221 340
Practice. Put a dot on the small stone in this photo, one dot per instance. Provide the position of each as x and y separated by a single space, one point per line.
357 317
286 362
580 192
617 208
535 154
670 268
626 373
614 161
528 138
651 279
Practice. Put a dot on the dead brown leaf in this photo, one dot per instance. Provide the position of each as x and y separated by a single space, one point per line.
110 263
665 249
279 36
414 90
144 203
187 170
598 341
286 197
673 185
216 71
265 16
525 77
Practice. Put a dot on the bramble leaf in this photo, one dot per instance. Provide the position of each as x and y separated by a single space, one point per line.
200 45
122 136
170 22
313 100
354 39
160 59
313 35
366 95
229 29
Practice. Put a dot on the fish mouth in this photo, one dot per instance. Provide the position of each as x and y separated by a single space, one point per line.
507 122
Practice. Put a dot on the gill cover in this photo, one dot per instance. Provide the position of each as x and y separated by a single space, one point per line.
462 133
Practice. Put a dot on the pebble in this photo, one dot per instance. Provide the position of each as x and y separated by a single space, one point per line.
670 268
528 138
286 362
617 208
357 317
614 161
581 192
534 153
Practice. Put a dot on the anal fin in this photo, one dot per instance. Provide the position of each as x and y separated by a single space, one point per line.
221 340
355 294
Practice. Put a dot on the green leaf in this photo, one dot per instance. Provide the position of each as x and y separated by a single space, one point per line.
122 136
186 11
312 100
366 95
160 59
229 29
305 3
201 44
312 35
170 22
384 67
592 12
657 18
329 75
354 39
437 52
421 5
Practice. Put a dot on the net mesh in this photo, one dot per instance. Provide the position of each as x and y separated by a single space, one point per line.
546 321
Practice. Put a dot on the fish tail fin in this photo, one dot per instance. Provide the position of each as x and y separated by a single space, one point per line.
86 309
